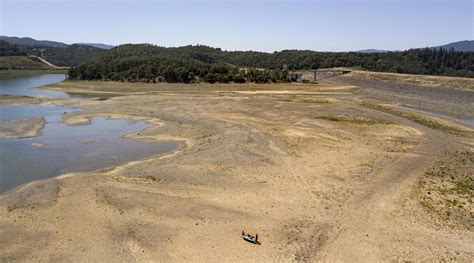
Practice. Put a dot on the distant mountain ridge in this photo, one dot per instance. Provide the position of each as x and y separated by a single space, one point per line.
463 46
28 41
371 50
97 45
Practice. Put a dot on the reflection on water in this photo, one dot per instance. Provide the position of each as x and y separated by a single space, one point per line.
64 148
74 148
24 86
17 112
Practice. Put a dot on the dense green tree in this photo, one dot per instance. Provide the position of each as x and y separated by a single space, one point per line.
71 55
144 62
7 49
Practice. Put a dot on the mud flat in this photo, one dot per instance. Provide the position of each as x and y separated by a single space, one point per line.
318 177
445 95
16 100
22 128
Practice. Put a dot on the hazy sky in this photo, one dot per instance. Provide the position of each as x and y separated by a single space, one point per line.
325 25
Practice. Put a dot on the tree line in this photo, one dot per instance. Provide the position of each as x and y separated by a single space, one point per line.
415 61
149 63
7 49
71 55
155 70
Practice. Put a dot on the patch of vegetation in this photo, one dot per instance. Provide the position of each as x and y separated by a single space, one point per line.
151 178
465 187
71 55
7 49
21 63
23 73
355 120
420 120
447 189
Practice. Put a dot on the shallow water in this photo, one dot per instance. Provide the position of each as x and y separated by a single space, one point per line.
65 148
18 112
24 86
74 148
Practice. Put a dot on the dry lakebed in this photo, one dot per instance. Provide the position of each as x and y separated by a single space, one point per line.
322 172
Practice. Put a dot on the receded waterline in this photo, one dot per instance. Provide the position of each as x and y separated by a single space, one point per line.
61 148
468 122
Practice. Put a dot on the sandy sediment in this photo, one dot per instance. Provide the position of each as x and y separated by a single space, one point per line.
76 120
318 177
17 100
37 144
22 128
446 95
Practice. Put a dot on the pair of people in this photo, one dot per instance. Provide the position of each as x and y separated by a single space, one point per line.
250 236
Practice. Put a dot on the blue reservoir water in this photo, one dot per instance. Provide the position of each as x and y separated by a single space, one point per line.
24 86
63 148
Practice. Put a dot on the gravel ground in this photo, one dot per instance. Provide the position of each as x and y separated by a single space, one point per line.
453 102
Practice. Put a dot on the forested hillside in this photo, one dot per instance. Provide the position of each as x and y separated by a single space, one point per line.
12 58
28 41
146 62
414 61
156 64
464 46
7 49
60 56
57 53
68 56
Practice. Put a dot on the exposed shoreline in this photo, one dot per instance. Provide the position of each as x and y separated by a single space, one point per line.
18 129
109 169
31 127
319 178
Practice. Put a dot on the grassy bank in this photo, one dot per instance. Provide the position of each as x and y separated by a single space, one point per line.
21 63
430 123
21 73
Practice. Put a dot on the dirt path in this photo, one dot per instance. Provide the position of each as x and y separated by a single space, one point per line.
47 62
